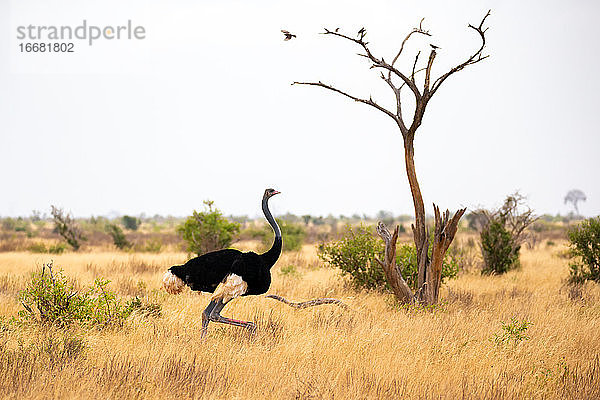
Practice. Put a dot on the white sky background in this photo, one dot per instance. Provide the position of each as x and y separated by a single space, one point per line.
203 108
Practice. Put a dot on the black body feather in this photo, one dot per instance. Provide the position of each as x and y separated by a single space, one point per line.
205 272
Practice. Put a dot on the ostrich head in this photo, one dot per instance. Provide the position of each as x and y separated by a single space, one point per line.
270 193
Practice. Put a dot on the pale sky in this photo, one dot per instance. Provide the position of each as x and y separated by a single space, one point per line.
203 108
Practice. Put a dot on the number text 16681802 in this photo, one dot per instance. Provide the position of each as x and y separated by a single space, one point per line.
47 47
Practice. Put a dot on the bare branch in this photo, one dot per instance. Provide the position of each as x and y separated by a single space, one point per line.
369 102
428 71
415 30
377 63
475 58
399 119
412 75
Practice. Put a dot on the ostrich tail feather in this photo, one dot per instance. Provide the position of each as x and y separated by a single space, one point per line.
172 284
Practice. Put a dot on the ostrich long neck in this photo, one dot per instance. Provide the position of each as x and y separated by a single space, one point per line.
271 256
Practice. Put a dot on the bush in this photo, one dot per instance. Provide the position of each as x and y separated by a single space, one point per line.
52 299
57 248
355 255
153 245
118 236
406 258
514 331
39 247
289 270
293 235
9 224
502 232
207 231
500 253
67 228
131 223
584 243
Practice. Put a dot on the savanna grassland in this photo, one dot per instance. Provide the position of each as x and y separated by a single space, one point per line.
375 349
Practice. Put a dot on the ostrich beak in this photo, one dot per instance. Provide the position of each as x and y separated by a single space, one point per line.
276 192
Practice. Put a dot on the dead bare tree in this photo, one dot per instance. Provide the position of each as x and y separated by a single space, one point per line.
429 278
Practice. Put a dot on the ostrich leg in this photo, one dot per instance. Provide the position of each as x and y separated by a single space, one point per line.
206 317
213 313
232 287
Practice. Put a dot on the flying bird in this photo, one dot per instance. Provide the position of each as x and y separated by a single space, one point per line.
227 274
433 46
287 34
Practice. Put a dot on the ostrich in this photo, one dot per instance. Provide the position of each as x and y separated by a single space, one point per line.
227 274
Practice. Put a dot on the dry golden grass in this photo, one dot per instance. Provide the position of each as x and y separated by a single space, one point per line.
376 350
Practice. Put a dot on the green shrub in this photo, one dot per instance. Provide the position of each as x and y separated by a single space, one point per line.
500 253
406 258
207 231
584 243
40 247
153 245
257 233
51 298
354 254
289 270
57 248
131 223
293 235
513 331
502 232
118 236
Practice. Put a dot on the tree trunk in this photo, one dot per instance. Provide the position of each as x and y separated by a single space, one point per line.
430 270
421 238
443 235
393 274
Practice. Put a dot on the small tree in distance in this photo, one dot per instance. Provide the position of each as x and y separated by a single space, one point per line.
502 233
67 228
131 223
575 196
422 88
118 237
208 230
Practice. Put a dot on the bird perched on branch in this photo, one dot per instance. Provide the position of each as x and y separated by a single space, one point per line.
433 46
287 34
227 274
